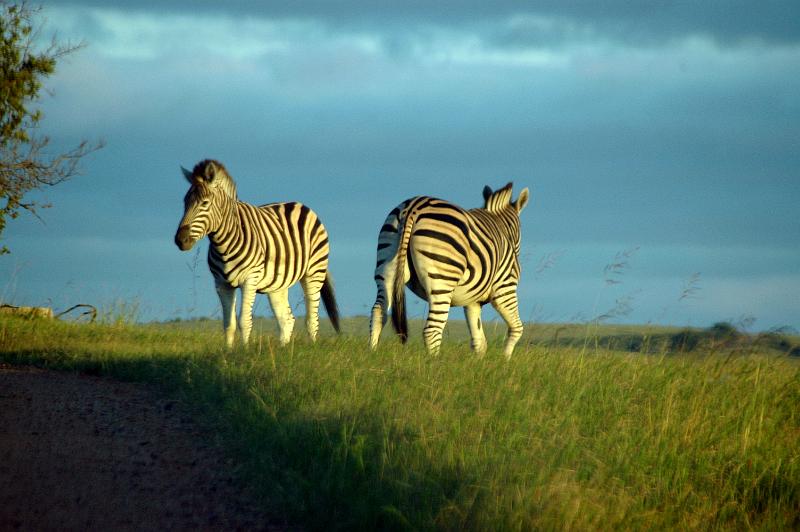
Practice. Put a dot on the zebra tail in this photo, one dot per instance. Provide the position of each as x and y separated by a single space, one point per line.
399 320
329 300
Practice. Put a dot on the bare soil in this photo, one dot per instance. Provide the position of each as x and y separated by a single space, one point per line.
80 452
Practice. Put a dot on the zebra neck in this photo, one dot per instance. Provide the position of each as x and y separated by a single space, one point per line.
229 231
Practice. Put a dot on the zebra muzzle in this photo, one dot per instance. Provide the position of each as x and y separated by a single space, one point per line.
183 238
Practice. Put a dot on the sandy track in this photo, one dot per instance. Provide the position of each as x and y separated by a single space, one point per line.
79 452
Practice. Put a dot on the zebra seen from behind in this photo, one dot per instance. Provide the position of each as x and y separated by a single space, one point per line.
264 249
450 256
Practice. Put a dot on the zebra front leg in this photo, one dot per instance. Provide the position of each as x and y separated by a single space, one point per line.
279 301
227 297
246 314
311 290
478 340
508 309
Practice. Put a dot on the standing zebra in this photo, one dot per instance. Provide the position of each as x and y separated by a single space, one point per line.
449 256
262 249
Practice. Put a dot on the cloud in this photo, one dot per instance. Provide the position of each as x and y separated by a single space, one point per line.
293 45
668 126
516 23
315 42
591 127
145 35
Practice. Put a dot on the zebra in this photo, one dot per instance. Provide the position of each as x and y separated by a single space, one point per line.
263 249
450 256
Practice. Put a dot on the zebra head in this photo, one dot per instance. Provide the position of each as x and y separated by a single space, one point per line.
500 203
211 192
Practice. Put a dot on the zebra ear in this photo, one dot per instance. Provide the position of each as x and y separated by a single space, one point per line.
187 174
210 172
522 200
487 192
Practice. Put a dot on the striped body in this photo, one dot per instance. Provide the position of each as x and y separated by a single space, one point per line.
283 244
257 249
450 256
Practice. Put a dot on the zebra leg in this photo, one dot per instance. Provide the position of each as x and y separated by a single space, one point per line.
385 270
311 290
438 309
227 297
508 309
246 313
279 301
473 314
376 322
383 302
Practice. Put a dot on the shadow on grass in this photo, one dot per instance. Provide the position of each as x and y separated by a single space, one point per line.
348 470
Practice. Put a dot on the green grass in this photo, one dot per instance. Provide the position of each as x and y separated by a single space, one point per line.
563 436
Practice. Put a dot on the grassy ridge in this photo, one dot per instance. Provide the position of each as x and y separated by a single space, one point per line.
339 437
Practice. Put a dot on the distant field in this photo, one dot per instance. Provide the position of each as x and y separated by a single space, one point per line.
586 427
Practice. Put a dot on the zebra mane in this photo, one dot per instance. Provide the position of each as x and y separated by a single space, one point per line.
212 173
499 199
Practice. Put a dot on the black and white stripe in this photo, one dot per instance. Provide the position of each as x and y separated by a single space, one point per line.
450 256
264 249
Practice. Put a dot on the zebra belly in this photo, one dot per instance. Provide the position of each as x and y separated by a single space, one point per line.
281 282
462 296
264 283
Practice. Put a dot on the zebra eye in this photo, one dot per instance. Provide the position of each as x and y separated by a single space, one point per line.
205 203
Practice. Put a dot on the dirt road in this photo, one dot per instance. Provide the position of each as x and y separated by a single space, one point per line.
79 452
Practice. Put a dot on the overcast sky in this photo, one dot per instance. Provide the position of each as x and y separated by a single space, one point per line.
667 132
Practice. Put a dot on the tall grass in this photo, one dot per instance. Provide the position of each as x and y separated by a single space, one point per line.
337 437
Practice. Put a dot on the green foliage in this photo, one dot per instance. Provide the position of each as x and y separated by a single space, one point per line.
685 340
338 437
22 70
23 164
724 331
724 335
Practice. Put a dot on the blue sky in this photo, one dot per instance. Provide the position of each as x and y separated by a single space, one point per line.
669 132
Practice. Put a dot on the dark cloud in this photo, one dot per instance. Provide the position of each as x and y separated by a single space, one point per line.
727 22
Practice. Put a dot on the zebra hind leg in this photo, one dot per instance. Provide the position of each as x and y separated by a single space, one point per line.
472 313
385 270
279 301
508 309
376 322
380 310
312 289
438 310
